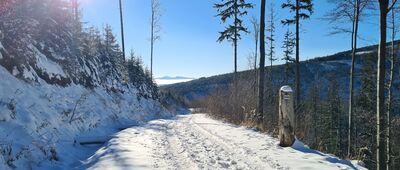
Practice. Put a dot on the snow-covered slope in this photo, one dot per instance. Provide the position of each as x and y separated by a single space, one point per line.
39 123
198 142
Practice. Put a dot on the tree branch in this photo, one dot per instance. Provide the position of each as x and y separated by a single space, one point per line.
391 6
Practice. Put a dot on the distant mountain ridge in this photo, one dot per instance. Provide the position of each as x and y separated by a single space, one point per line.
174 78
166 80
316 70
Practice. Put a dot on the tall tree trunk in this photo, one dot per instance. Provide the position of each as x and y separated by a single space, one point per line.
389 107
262 64
255 63
297 56
235 53
152 41
236 36
353 58
235 79
380 97
271 41
122 29
256 55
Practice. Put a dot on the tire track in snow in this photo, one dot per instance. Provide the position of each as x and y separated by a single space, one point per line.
176 149
208 152
239 149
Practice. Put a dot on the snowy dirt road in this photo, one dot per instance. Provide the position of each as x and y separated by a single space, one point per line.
198 142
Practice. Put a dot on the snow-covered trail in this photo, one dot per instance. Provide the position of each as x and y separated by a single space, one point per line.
198 142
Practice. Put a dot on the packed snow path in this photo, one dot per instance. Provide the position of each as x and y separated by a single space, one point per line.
198 142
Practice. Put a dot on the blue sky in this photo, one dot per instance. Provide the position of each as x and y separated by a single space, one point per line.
188 45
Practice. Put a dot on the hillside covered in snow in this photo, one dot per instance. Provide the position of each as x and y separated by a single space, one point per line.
61 82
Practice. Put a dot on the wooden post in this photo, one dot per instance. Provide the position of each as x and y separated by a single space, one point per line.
286 117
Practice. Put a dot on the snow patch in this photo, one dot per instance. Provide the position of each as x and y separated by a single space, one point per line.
29 74
50 67
1 47
15 71
364 52
161 82
287 89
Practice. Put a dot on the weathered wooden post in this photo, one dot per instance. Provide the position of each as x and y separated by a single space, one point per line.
286 117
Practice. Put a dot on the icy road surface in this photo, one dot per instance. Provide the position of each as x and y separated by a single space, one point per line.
198 142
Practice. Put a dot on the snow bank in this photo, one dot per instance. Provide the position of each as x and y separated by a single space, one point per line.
39 123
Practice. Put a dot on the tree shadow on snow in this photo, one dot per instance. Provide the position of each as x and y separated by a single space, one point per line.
299 146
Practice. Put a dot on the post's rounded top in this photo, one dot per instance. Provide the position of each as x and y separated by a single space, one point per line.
286 89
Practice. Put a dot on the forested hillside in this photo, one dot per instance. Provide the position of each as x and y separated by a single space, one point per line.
315 71
61 81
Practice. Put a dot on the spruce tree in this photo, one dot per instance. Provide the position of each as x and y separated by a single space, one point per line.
331 119
365 109
303 10
234 9
314 107
288 45
112 47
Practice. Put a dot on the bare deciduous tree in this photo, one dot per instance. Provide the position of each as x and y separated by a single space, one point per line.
390 86
345 11
256 34
155 23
